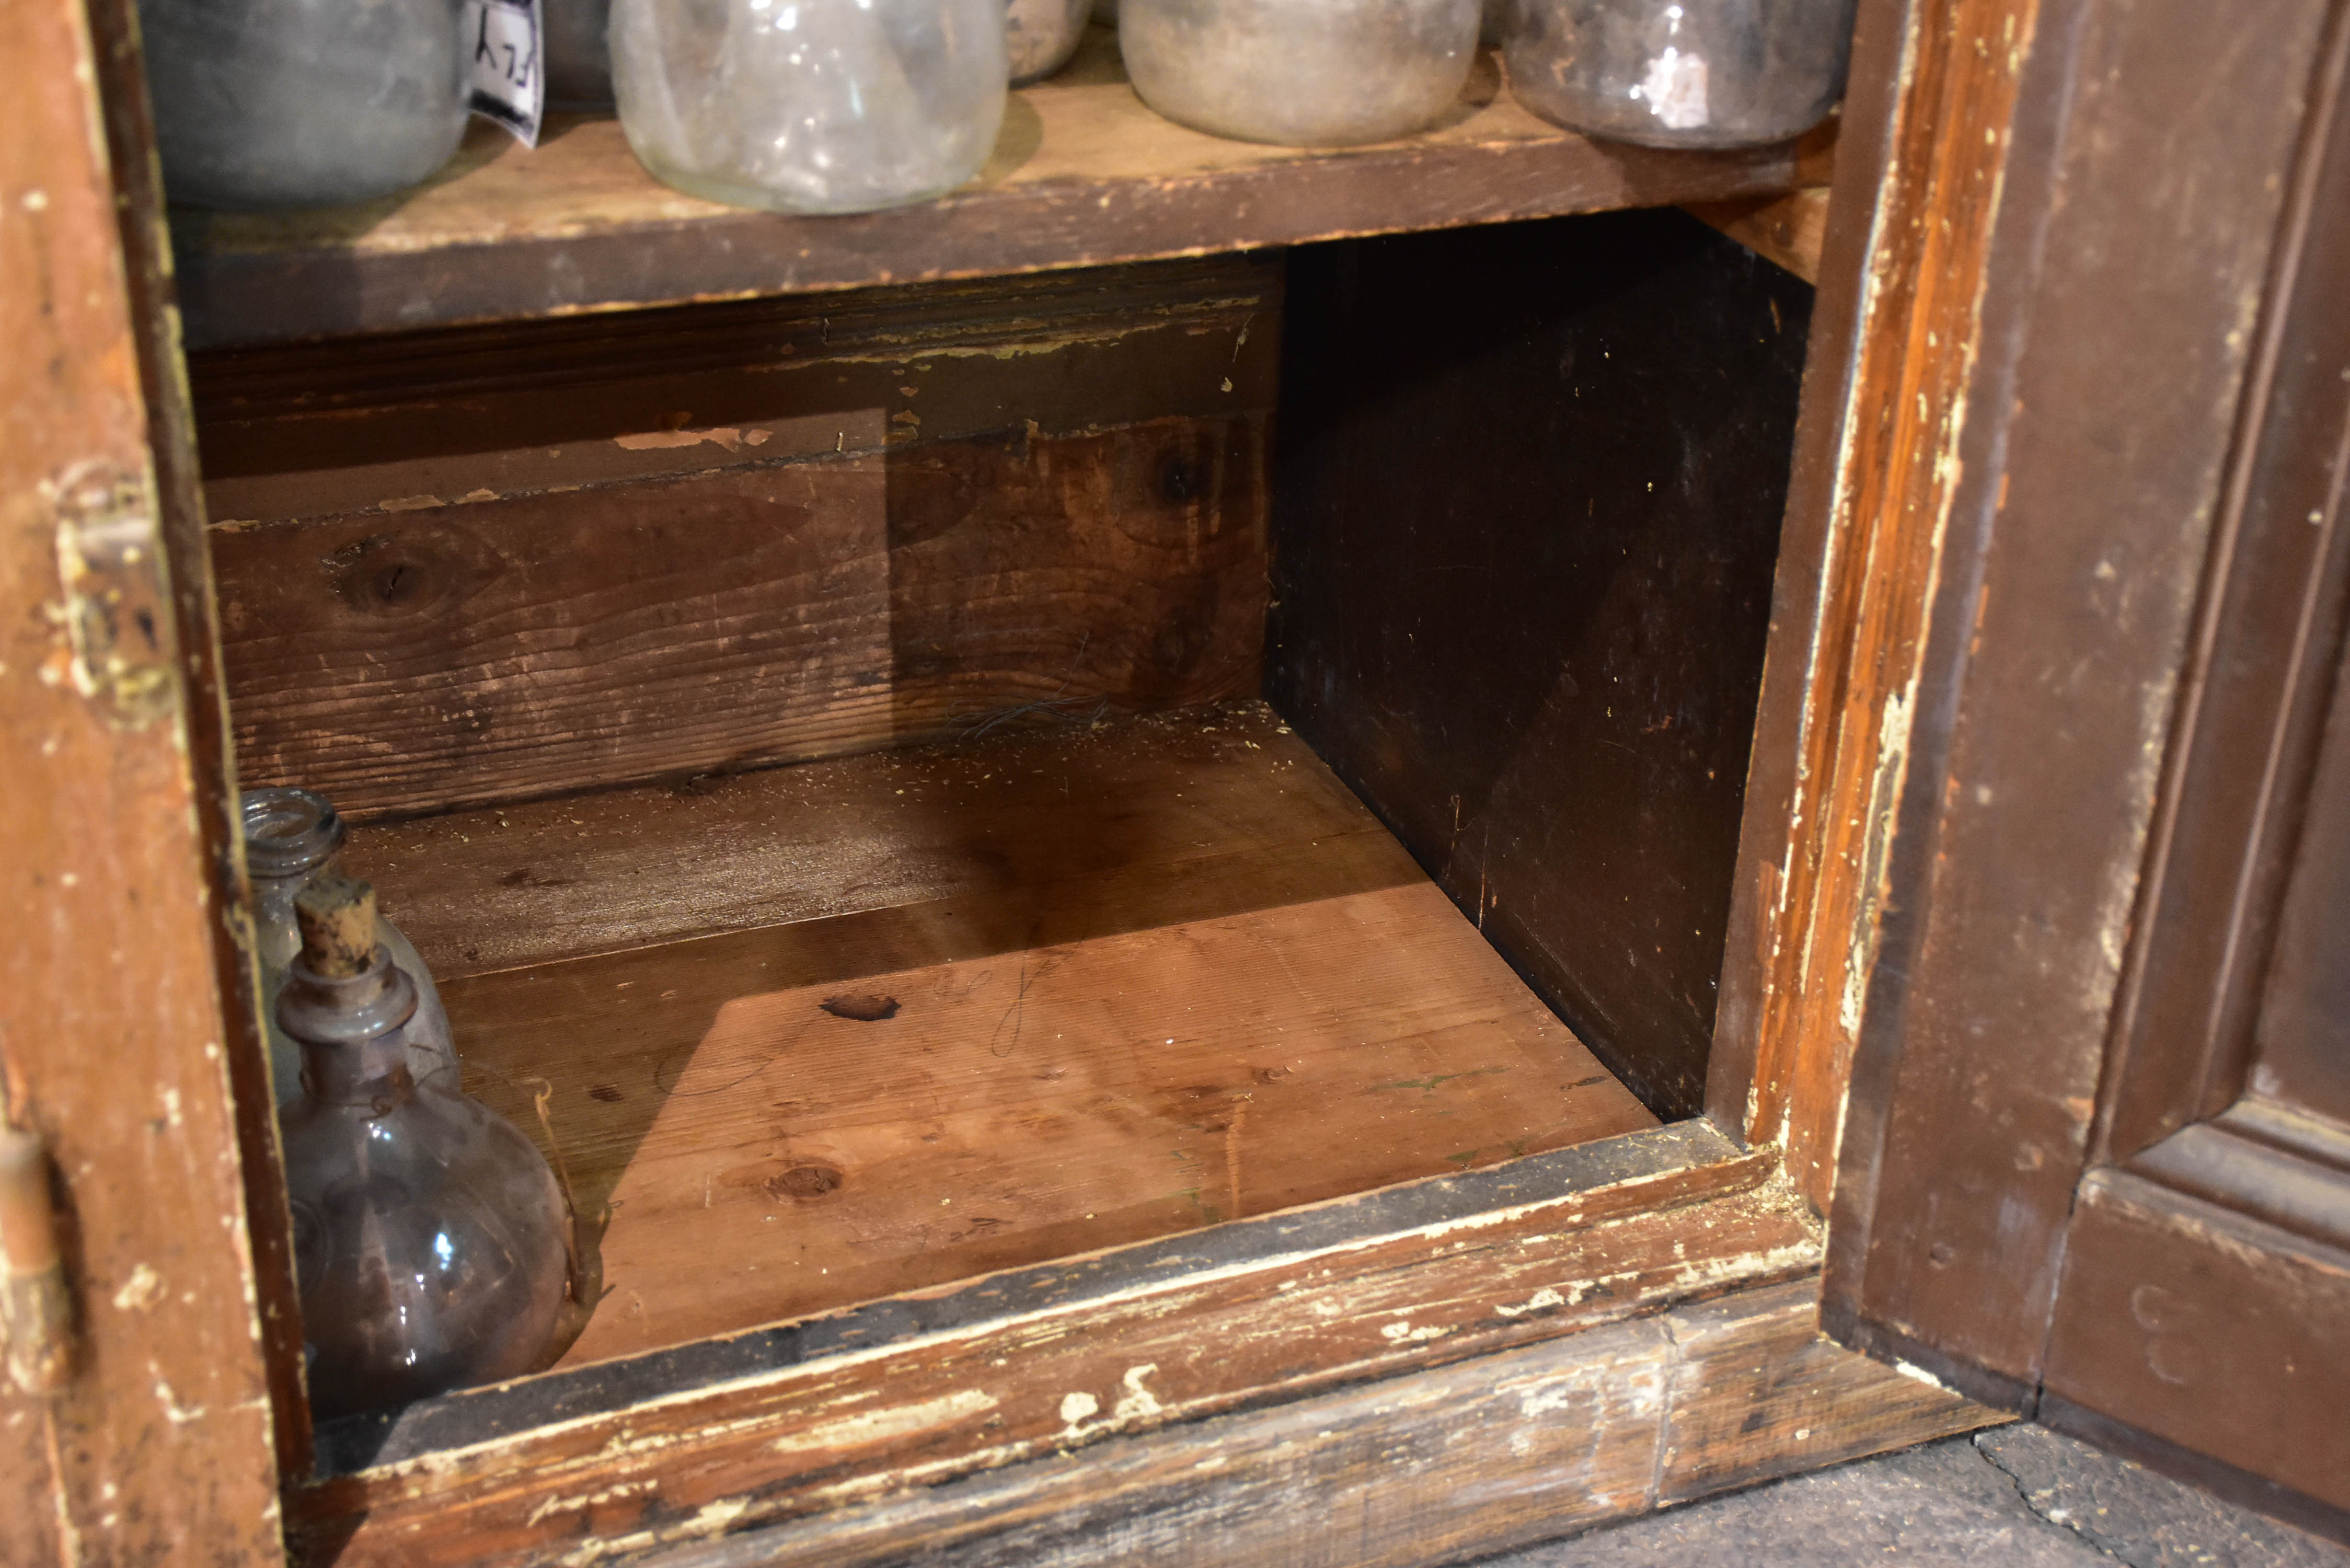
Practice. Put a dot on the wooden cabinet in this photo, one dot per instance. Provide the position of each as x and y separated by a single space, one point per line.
802 683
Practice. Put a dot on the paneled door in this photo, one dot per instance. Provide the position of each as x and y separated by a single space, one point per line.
2098 1161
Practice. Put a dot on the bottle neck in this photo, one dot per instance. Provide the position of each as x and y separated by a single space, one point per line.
353 1032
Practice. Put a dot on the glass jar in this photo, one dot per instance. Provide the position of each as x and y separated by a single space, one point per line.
578 60
1695 73
303 103
811 106
1042 35
290 837
431 1245
1301 73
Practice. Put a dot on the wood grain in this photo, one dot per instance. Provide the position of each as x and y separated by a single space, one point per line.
1100 827
117 1025
1929 128
475 566
1133 995
541 644
1424 1467
1789 230
1170 1346
1083 174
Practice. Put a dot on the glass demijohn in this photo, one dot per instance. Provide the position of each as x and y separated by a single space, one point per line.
290 837
811 106
429 1239
1301 73
1042 35
302 103
1680 73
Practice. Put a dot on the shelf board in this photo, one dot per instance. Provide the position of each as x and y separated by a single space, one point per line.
1147 976
1082 175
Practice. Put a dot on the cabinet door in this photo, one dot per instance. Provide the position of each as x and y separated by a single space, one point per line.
151 1443
2097 1163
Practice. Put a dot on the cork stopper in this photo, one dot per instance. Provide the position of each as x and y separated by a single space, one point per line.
336 914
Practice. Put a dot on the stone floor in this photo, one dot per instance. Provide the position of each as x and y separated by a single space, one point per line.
2014 1497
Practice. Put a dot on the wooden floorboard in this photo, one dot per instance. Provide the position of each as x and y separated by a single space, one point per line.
1083 174
1136 981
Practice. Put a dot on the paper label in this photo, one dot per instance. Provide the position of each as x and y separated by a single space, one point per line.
508 86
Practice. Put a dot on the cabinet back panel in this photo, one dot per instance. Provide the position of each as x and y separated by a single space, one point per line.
471 567
1525 524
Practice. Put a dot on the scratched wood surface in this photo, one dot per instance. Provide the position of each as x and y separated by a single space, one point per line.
474 566
1423 1468
1083 174
120 1040
1929 128
1066 1356
1148 979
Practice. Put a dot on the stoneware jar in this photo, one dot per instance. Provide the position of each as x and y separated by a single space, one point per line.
302 103
1301 73
1041 36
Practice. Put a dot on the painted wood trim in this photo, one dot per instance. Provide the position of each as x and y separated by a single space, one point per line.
119 1018
954 1382
1427 1468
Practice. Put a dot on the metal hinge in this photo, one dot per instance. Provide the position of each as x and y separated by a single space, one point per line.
116 607
36 1316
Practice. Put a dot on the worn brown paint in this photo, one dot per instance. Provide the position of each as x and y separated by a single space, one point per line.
116 1051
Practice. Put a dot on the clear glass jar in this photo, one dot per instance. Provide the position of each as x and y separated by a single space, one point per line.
578 60
811 106
292 836
1301 73
431 1244
1680 73
1042 35
302 103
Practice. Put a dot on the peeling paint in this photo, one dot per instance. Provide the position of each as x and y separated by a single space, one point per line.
873 1425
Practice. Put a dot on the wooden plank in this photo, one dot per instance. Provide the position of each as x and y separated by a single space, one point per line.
762 1158
1418 1469
1523 587
1789 230
1083 175
535 645
1167 1345
479 567
1096 827
1139 980
119 1024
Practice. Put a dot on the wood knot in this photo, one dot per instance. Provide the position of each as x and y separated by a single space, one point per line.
807 1181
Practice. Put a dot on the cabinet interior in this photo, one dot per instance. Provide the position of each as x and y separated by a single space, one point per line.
914 781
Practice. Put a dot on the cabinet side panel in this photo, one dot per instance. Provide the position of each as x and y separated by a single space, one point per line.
1526 514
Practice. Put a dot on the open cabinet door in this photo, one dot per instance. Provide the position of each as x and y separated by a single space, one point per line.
2096 1156
135 1415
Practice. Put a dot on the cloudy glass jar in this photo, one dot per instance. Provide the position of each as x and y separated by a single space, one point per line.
1042 35
1301 73
302 103
578 60
811 106
1680 73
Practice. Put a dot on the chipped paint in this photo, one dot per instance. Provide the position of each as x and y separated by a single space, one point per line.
901 1421
142 1290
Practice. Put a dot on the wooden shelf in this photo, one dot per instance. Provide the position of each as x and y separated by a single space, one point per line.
1083 175
1147 976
